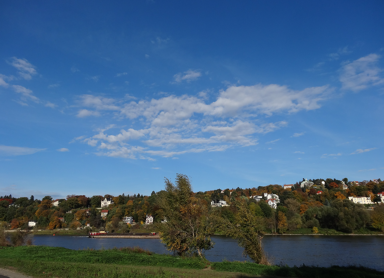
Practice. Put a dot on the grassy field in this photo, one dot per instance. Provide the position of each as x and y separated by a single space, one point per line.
42 261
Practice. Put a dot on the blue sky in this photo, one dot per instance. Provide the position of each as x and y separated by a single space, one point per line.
110 97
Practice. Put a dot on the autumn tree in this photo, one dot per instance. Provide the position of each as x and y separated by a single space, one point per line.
377 217
282 224
247 228
188 227
15 224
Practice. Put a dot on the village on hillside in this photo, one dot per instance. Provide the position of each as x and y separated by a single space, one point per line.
306 204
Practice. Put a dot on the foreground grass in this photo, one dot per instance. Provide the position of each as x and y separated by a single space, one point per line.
42 261
62 232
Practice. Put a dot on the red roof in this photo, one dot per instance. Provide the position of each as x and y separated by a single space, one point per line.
105 210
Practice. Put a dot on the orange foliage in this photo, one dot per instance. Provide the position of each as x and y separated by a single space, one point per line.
303 209
15 224
340 195
81 214
130 203
55 223
333 185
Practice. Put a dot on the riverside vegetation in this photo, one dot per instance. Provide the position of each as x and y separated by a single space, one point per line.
299 208
189 221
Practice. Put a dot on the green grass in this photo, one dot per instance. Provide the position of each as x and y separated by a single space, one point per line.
62 232
43 261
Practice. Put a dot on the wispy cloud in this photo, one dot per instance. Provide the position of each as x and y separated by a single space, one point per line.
86 113
299 152
13 151
363 150
63 150
187 76
340 52
3 83
50 104
298 134
27 94
367 170
361 73
156 168
26 69
53 86
121 74
94 78
74 69
273 141
331 155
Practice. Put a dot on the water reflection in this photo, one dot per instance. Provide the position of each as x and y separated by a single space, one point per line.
290 250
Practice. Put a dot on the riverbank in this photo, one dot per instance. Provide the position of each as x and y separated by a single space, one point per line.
136 262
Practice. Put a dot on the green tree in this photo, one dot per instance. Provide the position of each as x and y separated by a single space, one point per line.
378 218
248 229
188 228
95 201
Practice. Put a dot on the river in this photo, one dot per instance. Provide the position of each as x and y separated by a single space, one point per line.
321 251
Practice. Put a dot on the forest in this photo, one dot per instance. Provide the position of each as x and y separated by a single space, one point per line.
298 207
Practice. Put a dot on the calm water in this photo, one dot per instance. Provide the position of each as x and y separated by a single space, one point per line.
291 250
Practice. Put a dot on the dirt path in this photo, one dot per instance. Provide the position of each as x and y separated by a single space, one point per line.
7 273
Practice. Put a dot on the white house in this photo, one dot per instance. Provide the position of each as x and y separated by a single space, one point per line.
128 219
148 219
257 198
32 224
104 213
221 203
55 203
288 186
345 187
306 183
106 202
361 200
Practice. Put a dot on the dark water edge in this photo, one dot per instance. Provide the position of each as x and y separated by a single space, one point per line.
323 251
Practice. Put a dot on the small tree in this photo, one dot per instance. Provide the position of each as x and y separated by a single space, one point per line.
248 229
188 227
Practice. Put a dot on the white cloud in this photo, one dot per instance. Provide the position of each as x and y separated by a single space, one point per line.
95 78
12 151
331 155
97 102
26 93
125 135
273 141
146 56
2 81
175 125
160 41
53 86
50 104
340 52
297 134
121 74
299 152
26 69
363 150
156 168
86 113
63 150
74 69
188 76
367 170
361 73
